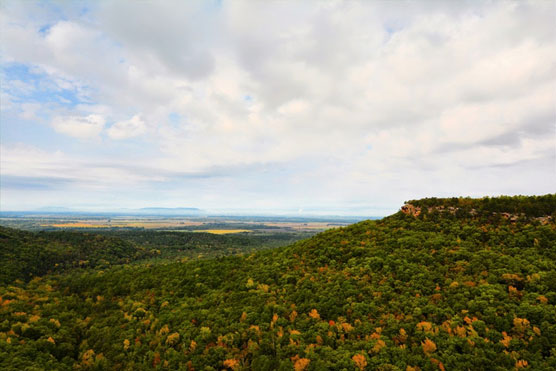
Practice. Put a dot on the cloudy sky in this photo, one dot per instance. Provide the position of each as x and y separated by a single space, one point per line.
311 107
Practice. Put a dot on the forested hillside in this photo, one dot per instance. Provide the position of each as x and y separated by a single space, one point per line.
24 255
432 290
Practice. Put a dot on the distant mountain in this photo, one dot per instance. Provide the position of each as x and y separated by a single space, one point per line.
185 211
146 211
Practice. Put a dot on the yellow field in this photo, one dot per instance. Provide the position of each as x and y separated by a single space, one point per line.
222 231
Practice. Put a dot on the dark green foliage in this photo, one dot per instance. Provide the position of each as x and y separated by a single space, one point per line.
527 206
24 255
172 244
434 291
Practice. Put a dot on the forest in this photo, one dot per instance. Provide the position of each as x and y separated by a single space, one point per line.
444 284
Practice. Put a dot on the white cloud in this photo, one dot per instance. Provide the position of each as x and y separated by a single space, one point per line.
82 127
363 94
133 127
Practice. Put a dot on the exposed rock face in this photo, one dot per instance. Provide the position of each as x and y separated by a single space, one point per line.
411 210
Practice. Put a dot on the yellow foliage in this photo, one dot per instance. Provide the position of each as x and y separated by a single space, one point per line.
512 277
411 368
347 327
293 316
164 330
360 361
537 330
521 324
378 346
243 317
314 314
454 284
426 327
460 331
301 364
55 322
126 344
231 363
263 287
193 345
87 358
173 338
428 346
295 332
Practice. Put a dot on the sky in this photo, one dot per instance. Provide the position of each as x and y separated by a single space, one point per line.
313 107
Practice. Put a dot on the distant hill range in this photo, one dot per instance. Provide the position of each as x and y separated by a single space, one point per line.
146 211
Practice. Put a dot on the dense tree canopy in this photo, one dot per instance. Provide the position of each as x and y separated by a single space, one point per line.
438 291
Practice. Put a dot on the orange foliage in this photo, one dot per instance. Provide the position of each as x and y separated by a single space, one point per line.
521 363
506 340
375 336
378 346
402 337
438 363
543 299
513 292
537 330
511 277
360 361
428 346
314 314
347 327
231 363
521 324
435 298
87 358
301 364
411 368
243 317
293 315
156 359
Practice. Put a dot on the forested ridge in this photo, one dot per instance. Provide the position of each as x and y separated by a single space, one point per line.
24 255
436 290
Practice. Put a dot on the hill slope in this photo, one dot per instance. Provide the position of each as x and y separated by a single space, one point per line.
438 290
24 255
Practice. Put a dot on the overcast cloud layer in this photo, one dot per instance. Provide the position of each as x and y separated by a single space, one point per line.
330 107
